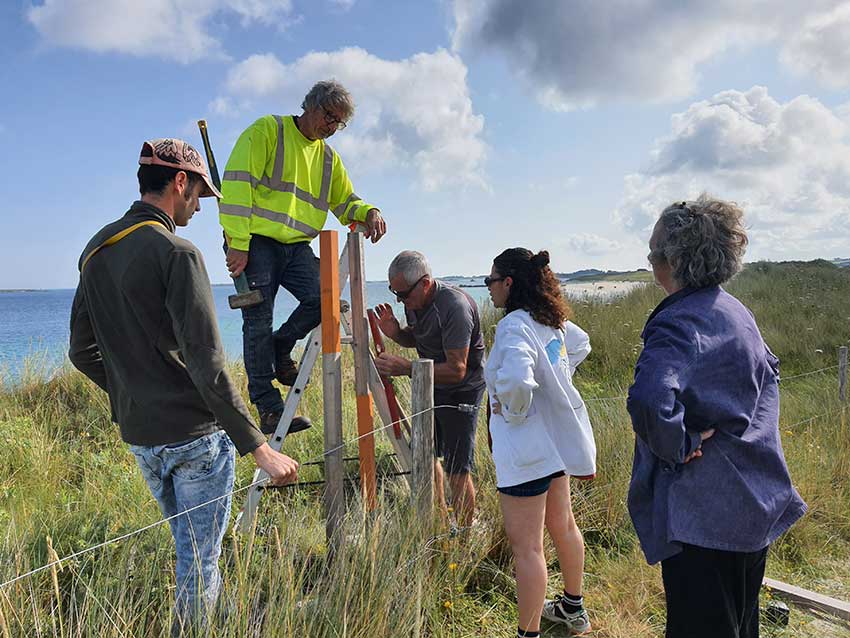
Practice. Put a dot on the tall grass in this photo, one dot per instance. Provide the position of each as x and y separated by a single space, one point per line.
64 473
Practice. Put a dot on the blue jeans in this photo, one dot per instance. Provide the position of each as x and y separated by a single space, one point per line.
270 266
181 476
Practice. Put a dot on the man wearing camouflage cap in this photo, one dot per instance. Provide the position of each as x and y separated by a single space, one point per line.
143 328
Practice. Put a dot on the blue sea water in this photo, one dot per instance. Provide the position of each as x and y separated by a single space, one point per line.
34 324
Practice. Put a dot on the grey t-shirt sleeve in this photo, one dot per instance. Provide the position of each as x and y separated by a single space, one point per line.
457 324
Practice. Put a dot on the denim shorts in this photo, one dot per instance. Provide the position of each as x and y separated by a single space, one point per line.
531 488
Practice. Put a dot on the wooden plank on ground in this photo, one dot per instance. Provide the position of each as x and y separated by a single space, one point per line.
809 599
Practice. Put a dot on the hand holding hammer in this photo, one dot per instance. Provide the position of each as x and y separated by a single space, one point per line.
236 259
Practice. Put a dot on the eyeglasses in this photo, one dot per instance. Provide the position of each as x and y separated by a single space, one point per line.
331 119
488 281
401 295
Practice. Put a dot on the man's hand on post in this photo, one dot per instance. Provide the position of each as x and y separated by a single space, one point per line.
389 365
280 468
387 322
237 260
376 227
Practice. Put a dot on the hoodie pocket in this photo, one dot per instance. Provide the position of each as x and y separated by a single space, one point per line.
526 441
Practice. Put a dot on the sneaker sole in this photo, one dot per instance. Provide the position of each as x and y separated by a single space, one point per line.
572 632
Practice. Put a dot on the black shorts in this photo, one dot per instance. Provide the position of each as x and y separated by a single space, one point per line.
454 431
535 487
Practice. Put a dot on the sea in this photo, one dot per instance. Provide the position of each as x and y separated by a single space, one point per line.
35 324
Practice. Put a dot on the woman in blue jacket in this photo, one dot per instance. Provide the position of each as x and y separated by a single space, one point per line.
541 432
710 489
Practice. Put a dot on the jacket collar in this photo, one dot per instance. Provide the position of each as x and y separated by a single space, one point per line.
141 211
669 300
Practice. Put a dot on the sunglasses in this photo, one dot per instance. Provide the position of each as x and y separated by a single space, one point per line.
401 295
491 280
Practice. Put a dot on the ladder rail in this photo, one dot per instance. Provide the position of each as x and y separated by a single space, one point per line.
404 457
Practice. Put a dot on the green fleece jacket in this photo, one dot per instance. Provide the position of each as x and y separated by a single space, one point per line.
143 328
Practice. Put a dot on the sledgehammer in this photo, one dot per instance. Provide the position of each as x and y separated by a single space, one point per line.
244 297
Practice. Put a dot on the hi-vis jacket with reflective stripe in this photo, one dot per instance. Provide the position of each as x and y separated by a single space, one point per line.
279 184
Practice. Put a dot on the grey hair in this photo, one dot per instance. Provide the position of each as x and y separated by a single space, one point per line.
703 241
330 94
411 264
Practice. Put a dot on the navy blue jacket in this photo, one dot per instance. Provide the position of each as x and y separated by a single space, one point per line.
705 365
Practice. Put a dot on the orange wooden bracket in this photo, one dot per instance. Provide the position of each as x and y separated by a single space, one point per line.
392 400
366 451
329 280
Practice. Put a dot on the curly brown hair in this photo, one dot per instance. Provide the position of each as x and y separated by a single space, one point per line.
535 287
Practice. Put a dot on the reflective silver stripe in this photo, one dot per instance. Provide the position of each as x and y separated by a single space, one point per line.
327 170
240 176
277 173
286 220
280 187
234 209
280 218
339 211
276 183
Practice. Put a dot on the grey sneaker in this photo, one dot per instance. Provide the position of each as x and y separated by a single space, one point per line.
578 622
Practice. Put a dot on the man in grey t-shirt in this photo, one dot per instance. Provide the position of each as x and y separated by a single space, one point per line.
443 324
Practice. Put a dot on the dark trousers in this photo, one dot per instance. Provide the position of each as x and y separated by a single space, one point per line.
270 266
712 593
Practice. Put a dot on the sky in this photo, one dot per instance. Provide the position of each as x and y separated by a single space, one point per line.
565 125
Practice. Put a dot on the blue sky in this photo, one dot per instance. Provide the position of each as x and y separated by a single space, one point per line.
481 124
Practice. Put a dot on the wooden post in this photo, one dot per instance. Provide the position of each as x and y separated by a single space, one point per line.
842 373
422 439
360 345
331 385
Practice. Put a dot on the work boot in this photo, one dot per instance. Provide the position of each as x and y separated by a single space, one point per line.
269 421
285 370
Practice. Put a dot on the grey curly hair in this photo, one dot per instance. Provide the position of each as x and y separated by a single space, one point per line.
330 94
703 241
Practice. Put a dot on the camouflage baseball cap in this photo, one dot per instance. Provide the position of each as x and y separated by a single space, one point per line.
181 155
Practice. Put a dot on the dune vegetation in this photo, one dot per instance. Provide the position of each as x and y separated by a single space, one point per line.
67 482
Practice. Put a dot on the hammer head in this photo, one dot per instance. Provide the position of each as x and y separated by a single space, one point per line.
245 299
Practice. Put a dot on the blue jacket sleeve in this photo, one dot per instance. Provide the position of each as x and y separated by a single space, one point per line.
654 403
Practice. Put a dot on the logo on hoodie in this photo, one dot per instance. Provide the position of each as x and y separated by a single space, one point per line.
556 350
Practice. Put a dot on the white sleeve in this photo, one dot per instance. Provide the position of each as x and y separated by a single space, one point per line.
577 342
514 379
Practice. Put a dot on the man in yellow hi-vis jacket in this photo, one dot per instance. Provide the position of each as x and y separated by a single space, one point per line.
278 186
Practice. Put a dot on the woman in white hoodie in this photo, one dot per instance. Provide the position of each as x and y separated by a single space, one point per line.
541 432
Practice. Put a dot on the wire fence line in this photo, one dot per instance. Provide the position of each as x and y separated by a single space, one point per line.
808 374
781 378
260 482
794 426
318 459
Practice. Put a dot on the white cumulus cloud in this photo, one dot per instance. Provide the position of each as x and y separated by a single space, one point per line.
821 47
415 112
787 164
578 53
169 29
